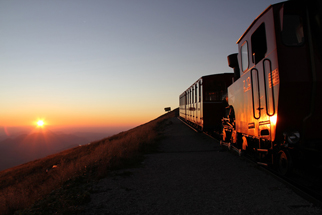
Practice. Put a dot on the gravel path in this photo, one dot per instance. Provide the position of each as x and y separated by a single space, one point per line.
191 175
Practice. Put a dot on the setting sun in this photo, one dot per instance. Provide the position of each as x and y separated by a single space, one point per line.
40 123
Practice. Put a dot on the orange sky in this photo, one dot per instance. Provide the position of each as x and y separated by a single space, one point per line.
78 119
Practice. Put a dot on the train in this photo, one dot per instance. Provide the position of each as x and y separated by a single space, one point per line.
202 99
272 109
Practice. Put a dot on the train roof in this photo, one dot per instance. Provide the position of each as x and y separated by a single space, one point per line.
256 19
209 77
214 75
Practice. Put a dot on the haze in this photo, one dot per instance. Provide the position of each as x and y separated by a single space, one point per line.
103 63
106 66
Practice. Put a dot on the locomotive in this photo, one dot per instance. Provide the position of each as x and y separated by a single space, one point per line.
273 98
274 105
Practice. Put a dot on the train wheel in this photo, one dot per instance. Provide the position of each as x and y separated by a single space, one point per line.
284 162
233 138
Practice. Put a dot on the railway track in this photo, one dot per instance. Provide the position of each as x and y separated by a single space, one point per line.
306 186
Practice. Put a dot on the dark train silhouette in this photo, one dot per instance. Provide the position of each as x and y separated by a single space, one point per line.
273 107
201 104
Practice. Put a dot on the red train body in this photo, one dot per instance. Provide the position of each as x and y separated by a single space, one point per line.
275 104
202 105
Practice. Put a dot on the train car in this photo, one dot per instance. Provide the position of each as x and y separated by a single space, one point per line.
201 104
275 105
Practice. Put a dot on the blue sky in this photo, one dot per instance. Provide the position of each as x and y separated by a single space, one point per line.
98 62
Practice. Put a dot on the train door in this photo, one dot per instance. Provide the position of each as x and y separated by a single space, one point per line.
259 49
201 102
188 105
192 105
189 112
185 104
261 76
197 104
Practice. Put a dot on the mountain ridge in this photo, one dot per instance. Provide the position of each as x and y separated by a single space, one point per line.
73 167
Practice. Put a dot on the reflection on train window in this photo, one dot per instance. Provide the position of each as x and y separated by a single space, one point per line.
212 96
214 91
292 30
259 45
244 56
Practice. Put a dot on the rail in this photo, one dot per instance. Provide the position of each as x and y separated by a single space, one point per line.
299 185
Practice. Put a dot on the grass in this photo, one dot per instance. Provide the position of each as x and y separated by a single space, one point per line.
60 183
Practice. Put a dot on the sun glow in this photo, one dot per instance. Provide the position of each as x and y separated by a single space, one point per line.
273 119
40 123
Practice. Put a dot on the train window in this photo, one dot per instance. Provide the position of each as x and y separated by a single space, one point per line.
192 95
259 45
200 91
244 56
292 30
188 98
214 90
196 93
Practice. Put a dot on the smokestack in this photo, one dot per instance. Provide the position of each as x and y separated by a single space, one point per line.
233 63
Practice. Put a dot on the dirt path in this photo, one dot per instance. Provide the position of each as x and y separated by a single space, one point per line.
191 175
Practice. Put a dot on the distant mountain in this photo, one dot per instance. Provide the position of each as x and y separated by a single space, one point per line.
27 147
6 132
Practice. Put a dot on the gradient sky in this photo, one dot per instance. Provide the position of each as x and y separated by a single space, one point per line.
111 62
